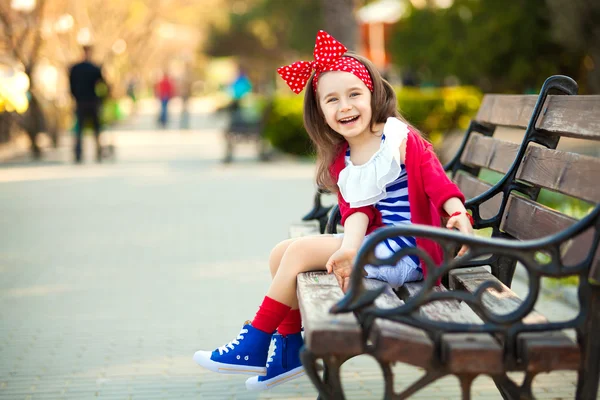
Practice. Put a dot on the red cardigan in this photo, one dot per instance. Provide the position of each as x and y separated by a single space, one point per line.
428 189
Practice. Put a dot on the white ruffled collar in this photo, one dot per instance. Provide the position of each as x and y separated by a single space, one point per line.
363 185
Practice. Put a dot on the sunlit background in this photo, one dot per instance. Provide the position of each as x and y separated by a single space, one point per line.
113 273
476 45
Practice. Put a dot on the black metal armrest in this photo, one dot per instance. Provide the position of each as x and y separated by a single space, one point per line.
359 299
318 212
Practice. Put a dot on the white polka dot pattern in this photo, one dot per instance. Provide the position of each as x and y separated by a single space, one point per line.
328 56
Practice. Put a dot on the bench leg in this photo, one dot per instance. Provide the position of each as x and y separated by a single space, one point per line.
509 390
330 387
429 377
589 370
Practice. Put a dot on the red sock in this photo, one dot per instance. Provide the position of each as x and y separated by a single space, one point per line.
291 324
269 315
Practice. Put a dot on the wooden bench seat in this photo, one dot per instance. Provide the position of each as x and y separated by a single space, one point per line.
324 332
535 351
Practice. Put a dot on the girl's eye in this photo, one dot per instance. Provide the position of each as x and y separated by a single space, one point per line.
354 94
331 99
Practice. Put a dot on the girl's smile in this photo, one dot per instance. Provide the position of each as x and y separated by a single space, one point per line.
346 104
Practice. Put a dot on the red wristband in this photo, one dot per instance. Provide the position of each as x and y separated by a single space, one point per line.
468 216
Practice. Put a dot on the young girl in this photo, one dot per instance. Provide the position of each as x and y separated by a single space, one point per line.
384 174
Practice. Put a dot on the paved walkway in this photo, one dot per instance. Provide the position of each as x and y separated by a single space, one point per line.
113 274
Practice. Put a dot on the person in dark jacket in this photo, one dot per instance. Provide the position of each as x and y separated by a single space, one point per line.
83 79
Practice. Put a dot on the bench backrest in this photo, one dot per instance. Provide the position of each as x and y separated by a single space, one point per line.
539 166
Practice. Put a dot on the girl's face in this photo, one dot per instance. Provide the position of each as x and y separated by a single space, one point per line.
346 103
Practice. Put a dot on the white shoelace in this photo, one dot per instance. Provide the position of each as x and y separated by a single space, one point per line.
231 345
270 359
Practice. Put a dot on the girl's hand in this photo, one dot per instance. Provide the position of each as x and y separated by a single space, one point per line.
341 263
463 223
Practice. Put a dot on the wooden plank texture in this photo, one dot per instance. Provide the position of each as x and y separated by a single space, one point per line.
506 110
326 333
490 153
568 173
539 351
525 219
472 186
571 116
446 310
472 353
393 341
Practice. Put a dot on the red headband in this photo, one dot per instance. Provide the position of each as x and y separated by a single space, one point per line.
328 56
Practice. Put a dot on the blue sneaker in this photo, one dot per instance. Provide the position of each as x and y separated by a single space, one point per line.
283 365
246 354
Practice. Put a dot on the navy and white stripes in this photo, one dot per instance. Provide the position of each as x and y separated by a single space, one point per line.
395 209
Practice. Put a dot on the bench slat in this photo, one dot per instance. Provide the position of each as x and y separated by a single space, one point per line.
506 110
568 173
326 333
570 116
446 310
472 353
471 186
394 341
490 153
532 347
525 219
463 353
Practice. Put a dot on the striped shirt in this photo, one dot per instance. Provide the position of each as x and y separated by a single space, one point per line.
395 210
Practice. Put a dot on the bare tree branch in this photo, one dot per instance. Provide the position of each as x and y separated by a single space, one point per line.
7 21
37 38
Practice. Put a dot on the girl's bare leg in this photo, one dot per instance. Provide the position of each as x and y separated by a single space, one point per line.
277 254
298 255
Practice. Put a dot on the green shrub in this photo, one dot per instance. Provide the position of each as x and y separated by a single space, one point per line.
285 128
435 111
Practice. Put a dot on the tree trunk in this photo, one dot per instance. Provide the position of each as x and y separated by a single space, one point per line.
340 21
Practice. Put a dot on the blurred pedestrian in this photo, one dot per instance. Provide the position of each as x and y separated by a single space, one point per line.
131 89
240 88
164 91
84 79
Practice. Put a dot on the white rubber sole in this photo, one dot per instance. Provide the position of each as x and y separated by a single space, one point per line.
202 358
254 384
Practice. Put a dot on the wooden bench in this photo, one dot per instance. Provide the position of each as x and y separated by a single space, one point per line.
480 326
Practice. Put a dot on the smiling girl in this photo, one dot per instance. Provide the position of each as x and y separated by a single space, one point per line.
383 172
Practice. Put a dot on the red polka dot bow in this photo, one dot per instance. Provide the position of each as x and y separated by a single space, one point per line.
328 56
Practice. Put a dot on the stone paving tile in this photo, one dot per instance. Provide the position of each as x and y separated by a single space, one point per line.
112 275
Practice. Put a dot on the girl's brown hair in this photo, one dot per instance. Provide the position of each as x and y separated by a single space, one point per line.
328 142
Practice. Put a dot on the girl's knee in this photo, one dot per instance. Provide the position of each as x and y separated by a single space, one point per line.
277 254
296 257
